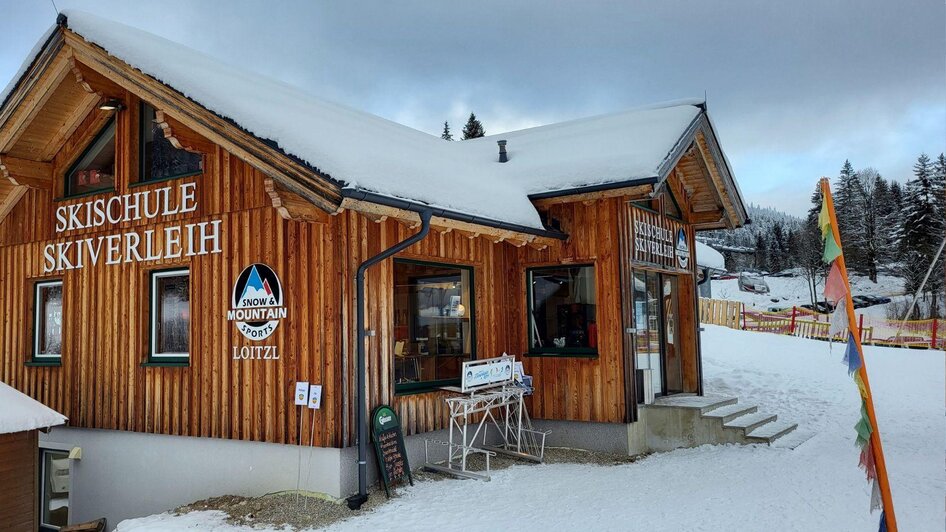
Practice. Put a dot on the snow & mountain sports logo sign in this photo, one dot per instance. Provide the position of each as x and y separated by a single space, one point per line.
682 249
257 302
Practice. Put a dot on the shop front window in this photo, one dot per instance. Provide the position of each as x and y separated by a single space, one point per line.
47 322
159 159
170 316
54 489
434 331
95 169
562 311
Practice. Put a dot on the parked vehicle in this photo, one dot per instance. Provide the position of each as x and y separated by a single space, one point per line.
861 301
749 282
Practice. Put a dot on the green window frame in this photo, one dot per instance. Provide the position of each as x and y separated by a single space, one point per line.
469 316
158 357
145 170
590 333
38 358
96 146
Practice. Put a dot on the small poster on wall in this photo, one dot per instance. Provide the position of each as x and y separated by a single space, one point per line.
301 396
315 396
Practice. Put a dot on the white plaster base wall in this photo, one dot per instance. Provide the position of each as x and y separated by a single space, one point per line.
129 474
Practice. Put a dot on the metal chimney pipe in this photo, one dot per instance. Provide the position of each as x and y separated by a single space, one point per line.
502 151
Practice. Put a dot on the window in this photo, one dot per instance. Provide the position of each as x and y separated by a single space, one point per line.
562 318
159 159
170 317
434 331
95 169
53 489
47 322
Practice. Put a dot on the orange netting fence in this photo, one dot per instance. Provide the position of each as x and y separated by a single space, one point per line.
805 323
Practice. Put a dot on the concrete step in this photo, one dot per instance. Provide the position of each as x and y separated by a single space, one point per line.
730 412
793 439
770 432
750 422
704 403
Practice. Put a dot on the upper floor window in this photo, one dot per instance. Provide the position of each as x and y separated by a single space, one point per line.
170 316
47 322
94 171
434 330
159 159
562 311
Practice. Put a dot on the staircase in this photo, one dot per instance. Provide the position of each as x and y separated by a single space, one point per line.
715 419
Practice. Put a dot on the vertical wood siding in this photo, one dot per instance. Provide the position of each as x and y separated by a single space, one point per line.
102 384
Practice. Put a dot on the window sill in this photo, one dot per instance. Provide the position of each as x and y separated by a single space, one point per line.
43 363
563 354
166 363
424 387
162 179
110 190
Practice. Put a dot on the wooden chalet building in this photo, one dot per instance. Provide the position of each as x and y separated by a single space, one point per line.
179 242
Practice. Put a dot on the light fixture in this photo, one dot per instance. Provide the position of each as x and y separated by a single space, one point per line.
112 104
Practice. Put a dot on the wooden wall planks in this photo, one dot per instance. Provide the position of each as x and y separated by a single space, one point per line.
102 384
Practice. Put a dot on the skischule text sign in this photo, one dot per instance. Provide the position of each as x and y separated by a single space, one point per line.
169 242
658 241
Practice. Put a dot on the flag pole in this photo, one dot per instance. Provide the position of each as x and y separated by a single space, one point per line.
876 446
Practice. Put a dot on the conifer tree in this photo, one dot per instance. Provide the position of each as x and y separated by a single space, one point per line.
921 232
849 205
446 135
473 128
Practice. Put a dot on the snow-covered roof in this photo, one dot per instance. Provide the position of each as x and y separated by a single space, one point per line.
708 257
20 413
369 153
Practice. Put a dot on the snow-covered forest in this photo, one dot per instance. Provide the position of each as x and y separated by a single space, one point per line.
886 227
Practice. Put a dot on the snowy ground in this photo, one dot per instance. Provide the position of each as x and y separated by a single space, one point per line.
814 487
789 291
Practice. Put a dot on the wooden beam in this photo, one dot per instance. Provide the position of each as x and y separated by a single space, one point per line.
637 191
291 206
32 174
11 199
87 105
92 82
706 217
716 179
295 176
33 101
466 229
180 136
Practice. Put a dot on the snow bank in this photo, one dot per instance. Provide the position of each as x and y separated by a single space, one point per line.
20 413
784 292
370 153
709 257
817 486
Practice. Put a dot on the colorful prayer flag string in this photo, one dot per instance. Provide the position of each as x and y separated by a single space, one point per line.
837 290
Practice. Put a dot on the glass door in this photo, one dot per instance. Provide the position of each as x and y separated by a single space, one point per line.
673 357
647 320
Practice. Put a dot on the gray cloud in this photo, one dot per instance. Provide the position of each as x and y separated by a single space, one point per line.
795 88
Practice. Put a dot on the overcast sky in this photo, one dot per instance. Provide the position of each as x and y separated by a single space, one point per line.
793 87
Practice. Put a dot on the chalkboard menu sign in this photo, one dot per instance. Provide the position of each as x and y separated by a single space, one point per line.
389 445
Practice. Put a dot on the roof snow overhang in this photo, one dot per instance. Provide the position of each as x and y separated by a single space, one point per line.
694 166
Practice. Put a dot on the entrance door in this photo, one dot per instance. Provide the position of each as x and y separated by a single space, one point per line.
647 322
656 319
673 355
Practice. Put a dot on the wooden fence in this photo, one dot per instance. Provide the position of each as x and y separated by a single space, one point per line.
804 323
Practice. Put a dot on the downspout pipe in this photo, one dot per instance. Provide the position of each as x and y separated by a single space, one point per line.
355 501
